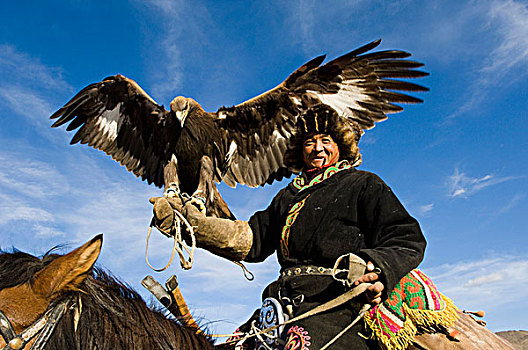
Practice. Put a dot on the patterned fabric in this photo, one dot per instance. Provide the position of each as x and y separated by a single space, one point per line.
290 219
414 303
300 182
238 334
298 339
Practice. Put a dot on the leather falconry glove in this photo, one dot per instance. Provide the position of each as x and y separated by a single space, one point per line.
230 239
164 213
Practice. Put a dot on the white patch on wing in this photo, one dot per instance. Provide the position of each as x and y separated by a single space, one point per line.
276 140
110 121
232 149
222 115
347 96
296 100
275 136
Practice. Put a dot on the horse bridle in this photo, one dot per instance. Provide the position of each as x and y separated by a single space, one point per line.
41 328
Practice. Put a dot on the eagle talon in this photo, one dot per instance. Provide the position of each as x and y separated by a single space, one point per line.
184 197
172 190
198 202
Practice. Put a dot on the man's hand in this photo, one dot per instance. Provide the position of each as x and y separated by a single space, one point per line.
373 293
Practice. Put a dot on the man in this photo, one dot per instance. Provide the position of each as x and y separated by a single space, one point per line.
327 212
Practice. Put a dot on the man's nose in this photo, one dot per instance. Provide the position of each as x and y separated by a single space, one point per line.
318 145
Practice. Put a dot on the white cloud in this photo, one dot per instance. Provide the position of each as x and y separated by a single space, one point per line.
304 23
214 279
27 187
105 199
27 86
169 8
211 271
462 185
425 210
120 210
12 210
27 103
31 178
20 69
491 283
82 200
368 139
479 281
47 231
304 18
507 44
510 18
16 211
222 318
512 203
179 21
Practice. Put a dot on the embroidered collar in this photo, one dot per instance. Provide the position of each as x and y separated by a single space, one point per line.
301 183
311 173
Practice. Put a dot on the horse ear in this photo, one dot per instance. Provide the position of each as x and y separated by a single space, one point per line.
68 271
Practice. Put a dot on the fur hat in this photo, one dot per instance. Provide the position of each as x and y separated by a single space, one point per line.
322 119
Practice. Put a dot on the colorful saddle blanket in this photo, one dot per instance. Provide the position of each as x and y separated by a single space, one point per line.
414 304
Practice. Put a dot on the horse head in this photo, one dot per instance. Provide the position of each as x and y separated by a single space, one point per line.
24 303
64 302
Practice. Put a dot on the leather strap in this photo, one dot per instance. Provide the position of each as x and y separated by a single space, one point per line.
340 300
41 328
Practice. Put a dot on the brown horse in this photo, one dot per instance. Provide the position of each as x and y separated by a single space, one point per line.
470 336
95 311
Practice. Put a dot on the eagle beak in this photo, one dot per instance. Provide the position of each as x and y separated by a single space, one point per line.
181 116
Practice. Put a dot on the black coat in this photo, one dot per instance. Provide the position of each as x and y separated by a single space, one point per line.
350 211
346 211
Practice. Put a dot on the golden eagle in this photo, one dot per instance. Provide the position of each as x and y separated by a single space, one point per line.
188 149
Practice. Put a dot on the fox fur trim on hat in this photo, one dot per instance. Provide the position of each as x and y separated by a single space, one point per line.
321 119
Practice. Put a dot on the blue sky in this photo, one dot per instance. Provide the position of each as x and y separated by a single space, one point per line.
458 161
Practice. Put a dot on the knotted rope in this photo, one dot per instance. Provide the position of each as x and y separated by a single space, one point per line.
179 243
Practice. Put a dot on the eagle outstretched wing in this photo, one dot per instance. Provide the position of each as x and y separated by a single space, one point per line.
358 85
119 118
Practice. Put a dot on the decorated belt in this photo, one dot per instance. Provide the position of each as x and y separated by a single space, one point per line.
306 270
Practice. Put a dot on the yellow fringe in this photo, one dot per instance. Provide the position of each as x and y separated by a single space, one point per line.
413 318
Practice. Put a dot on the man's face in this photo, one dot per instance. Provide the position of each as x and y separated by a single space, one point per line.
319 150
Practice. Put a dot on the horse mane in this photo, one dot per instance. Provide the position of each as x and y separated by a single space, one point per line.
18 267
112 315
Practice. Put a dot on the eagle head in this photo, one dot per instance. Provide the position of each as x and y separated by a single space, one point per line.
183 107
